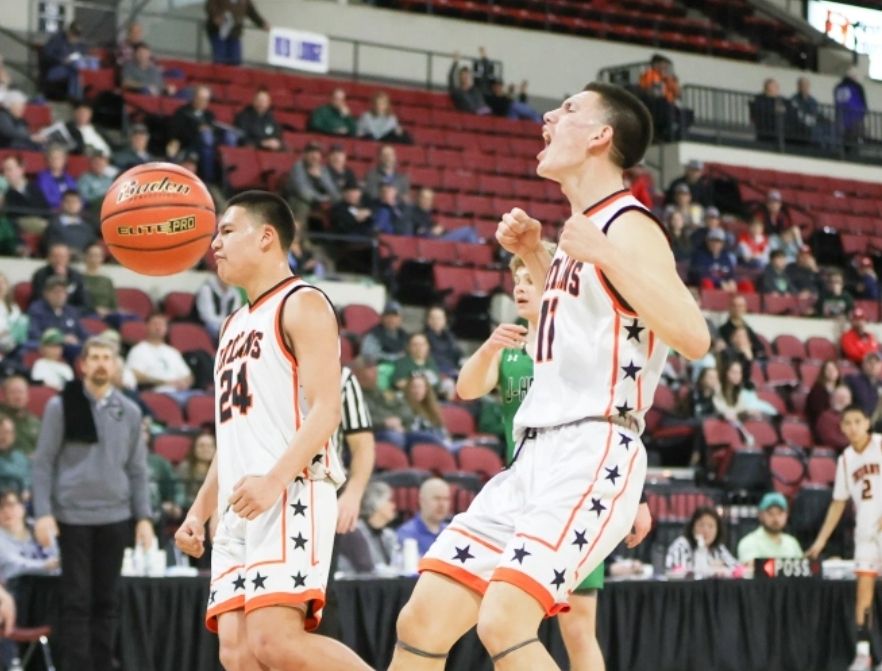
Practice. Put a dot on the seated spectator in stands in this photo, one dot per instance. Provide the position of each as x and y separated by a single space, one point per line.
818 399
20 553
443 346
741 349
661 89
712 267
372 548
851 108
422 222
857 341
15 406
788 241
868 281
333 118
136 153
693 213
386 407
95 182
753 245
157 365
432 518
737 312
58 265
865 384
311 183
100 291
386 172
302 258
14 130
350 216
510 103
166 490
775 217
768 540
423 423
700 551
389 215
142 75
69 226
215 301
485 71
54 180
225 23
465 95
417 360
60 60
24 199
125 46
638 180
703 393
834 300
15 468
736 401
809 125
83 133
775 279
258 124
769 112
680 235
13 324
700 185
804 275
827 426
52 311
712 222
11 243
193 126
341 173
380 123
387 340
51 369
193 469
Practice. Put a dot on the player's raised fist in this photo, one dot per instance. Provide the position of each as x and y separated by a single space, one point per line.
190 537
510 336
518 232
580 239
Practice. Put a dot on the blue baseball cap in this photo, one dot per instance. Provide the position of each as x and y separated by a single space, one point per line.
773 499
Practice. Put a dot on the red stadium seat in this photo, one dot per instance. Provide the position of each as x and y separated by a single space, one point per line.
134 301
715 300
38 397
789 346
432 457
389 457
178 305
763 432
479 459
778 304
360 319
808 373
821 348
788 470
173 447
458 421
822 466
132 332
163 408
796 433
186 337
771 396
21 294
474 255
93 326
200 410
781 374
405 485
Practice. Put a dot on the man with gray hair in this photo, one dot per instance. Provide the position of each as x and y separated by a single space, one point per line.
90 485
14 131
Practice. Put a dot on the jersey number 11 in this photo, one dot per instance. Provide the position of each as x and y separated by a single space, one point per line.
545 339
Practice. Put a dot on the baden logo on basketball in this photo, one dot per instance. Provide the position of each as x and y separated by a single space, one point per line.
170 227
134 189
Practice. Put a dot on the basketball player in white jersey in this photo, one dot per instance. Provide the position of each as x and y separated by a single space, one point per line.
859 478
611 306
274 479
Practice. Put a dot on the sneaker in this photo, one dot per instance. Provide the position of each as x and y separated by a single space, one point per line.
861 663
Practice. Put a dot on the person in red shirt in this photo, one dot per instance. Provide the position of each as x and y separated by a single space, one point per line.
857 342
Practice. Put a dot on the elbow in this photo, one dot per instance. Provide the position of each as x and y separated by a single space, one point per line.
465 392
696 343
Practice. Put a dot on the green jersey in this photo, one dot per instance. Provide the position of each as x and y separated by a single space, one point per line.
515 378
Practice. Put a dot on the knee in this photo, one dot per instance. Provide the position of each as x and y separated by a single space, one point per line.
276 650
576 634
233 656
415 623
494 629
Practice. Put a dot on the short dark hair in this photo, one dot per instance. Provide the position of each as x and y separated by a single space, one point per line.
270 208
778 253
698 513
854 407
630 120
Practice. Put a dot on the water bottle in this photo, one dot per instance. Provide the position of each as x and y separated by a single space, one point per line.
411 556
700 561
15 665
128 562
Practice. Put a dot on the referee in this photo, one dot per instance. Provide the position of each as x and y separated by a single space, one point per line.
356 433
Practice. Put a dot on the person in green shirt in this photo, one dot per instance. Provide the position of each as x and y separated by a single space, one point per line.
416 361
504 361
27 425
333 118
768 540
99 288
15 468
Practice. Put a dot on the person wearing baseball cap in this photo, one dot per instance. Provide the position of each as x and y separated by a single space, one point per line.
699 185
769 539
775 216
857 341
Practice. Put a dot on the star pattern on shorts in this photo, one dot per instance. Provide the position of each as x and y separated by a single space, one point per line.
317 459
299 541
559 578
258 581
212 596
631 370
597 506
612 474
299 508
634 330
299 579
625 440
580 538
463 554
519 554
239 582
624 409
299 480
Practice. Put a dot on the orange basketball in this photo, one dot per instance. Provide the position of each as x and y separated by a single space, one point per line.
157 219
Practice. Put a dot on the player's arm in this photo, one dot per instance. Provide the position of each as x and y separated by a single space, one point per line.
521 235
834 514
361 449
190 537
479 375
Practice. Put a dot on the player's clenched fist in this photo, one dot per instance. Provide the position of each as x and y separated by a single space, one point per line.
190 537
580 239
253 494
505 336
518 232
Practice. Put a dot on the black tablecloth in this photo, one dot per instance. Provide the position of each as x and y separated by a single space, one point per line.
785 625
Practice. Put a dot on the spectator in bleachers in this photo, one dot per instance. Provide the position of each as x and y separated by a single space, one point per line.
804 275
511 103
20 554
712 267
466 96
58 265
167 496
693 213
445 350
95 182
639 181
142 75
193 126
864 385
334 117
768 540
50 369
303 259
15 468
386 172
194 468
389 215
775 279
809 125
834 300
350 216
125 48
5 81
712 222
24 199
867 287
818 399
215 300
15 406
485 71
380 123
788 241
851 108
661 88
774 215
14 130
828 425
737 313
13 325
386 407
753 245
387 340
702 396
736 401
225 22
11 243
311 183
857 341
700 185
340 172
157 365
54 179
83 132
136 153
421 215
123 377
740 349
769 112
700 551
423 423
258 124
432 518
372 548
53 311
100 291
417 360
60 60
69 226
680 235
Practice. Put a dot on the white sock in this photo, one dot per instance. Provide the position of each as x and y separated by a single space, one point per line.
863 648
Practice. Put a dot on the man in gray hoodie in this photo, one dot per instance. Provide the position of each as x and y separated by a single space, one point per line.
90 484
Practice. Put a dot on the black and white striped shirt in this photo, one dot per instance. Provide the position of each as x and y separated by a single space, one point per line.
356 416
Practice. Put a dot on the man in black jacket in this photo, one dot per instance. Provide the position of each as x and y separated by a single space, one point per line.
58 265
23 197
258 125
14 131
193 126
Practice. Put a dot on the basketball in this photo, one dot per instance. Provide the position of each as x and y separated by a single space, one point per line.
157 219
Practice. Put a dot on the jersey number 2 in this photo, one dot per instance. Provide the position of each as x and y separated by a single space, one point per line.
545 339
234 395
867 492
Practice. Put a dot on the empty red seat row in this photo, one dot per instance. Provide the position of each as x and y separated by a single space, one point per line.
437 459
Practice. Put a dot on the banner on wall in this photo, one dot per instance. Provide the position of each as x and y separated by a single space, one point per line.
298 50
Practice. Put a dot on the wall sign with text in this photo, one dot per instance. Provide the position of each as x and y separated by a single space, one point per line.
298 50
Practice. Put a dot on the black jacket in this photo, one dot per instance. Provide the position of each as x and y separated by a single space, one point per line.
185 123
256 127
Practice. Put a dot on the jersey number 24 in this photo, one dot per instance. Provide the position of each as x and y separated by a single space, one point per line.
234 395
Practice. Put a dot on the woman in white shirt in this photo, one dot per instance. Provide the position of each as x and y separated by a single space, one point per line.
735 401
13 324
700 550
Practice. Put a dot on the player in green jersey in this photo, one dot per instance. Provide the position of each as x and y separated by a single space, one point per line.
504 360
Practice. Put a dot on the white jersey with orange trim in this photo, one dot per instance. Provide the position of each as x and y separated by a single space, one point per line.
859 477
594 356
260 405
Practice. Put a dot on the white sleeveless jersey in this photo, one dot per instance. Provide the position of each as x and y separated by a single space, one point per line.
259 401
594 356
859 477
